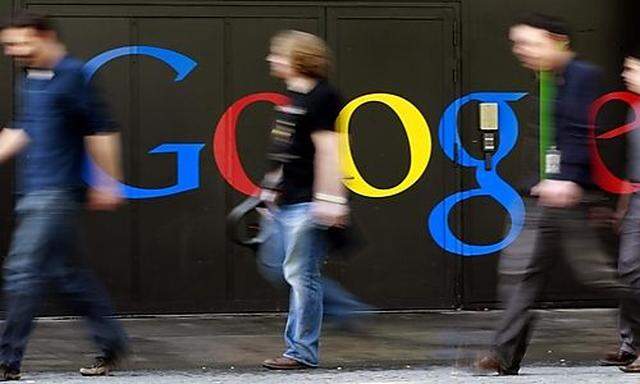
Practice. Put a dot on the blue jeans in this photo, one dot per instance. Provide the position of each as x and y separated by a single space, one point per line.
43 245
292 253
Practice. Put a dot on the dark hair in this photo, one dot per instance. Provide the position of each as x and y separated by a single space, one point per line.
548 23
634 52
24 19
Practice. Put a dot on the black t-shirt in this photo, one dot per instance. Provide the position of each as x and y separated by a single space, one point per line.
291 144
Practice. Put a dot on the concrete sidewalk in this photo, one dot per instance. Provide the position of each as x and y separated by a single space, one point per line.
440 375
401 347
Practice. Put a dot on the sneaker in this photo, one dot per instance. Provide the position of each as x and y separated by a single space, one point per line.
632 368
101 367
8 374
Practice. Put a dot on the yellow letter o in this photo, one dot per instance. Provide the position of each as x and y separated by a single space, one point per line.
418 135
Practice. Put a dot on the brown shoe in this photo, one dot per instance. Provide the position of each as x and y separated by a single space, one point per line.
487 365
632 368
617 358
284 363
490 365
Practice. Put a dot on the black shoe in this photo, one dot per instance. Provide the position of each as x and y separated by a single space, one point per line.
8 374
618 358
101 367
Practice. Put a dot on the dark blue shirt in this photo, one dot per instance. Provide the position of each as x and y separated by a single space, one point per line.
58 108
577 88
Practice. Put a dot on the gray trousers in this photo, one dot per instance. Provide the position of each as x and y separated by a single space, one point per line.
549 234
629 270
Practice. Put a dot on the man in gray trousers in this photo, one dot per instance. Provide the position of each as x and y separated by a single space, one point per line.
557 206
629 254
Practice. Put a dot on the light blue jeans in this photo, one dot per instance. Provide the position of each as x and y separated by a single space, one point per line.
292 253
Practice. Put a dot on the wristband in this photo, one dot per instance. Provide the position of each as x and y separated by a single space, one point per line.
330 198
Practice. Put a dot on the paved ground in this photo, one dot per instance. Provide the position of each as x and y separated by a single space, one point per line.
433 347
546 375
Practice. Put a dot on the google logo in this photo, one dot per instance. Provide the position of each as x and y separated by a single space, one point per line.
224 151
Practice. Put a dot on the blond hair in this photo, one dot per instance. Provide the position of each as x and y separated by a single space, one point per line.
309 54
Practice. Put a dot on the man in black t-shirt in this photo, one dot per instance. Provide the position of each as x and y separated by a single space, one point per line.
293 148
303 187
